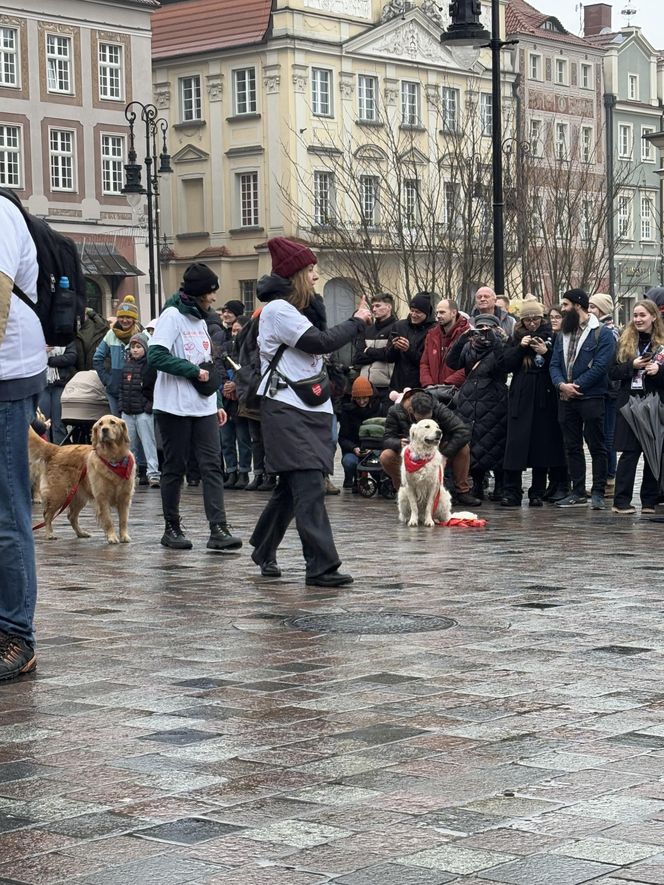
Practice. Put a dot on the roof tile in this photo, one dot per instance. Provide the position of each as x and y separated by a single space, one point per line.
522 18
203 25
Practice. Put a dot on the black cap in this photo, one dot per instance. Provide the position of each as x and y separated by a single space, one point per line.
235 307
199 280
577 296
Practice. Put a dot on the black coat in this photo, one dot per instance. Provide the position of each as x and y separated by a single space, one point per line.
533 433
407 362
352 417
624 439
137 386
398 423
65 363
482 401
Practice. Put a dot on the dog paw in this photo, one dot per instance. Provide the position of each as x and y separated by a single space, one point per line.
429 523
113 539
125 539
81 534
412 523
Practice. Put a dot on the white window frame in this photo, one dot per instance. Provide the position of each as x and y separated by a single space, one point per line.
561 71
647 218
321 92
10 68
245 95
411 202
410 103
586 77
586 144
111 72
248 198
647 149
112 149
59 64
11 158
367 98
450 204
625 141
561 129
324 197
486 114
449 103
625 225
535 66
535 137
633 87
191 99
62 160
369 199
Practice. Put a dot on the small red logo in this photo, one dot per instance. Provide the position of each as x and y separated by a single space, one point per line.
317 389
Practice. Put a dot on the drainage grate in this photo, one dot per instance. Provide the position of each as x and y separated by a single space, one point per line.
538 605
370 622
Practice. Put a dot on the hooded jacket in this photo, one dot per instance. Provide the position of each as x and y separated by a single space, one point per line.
437 345
407 362
399 421
92 330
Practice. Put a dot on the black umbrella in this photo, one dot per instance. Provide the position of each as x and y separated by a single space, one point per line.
645 415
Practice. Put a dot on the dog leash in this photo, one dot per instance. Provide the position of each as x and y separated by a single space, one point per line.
68 500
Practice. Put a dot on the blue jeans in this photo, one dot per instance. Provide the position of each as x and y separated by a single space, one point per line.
142 441
236 445
50 402
18 574
349 462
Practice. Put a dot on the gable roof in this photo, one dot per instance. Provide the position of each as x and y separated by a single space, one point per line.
522 18
203 25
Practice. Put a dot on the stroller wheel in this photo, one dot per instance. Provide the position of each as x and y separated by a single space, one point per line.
367 486
386 489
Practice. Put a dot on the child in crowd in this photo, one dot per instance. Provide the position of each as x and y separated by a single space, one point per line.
364 404
135 399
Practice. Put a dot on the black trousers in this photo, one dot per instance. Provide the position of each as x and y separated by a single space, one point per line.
581 419
512 483
257 447
299 494
181 436
625 476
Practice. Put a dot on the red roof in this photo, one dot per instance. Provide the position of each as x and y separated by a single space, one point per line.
203 25
522 18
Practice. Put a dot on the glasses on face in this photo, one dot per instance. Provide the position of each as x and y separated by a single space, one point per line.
531 319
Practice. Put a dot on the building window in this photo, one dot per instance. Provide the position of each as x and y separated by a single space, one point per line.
248 295
562 142
8 57
561 72
244 85
537 219
58 63
369 199
110 71
586 76
248 184
647 150
367 98
586 220
190 98
10 156
450 204
61 156
535 138
535 66
411 202
486 113
321 92
410 104
450 109
624 217
586 144
625 141
633 87
647 213
323 197
112 162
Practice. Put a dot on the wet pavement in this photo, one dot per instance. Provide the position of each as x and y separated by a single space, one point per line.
191 722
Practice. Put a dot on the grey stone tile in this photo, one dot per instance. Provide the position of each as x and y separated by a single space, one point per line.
545 869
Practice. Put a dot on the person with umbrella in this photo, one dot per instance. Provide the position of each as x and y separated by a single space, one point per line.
639 425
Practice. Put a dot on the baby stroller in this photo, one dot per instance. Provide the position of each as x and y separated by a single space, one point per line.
84 401
370 477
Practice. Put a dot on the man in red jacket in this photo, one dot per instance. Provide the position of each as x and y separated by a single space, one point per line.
450 325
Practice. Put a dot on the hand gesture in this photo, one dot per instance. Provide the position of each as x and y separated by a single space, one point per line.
526 341
363 312
401 343
641 362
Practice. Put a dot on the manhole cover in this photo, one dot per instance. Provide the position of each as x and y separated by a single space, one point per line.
370 622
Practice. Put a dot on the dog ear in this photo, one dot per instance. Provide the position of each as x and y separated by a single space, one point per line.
94 438
125 432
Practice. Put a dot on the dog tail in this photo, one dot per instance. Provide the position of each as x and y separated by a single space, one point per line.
40 449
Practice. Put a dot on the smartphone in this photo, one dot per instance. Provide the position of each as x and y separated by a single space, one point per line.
648 355
392 335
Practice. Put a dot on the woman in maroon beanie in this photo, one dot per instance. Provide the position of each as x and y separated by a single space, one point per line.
296 413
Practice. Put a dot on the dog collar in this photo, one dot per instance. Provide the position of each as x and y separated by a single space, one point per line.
121 468
414 464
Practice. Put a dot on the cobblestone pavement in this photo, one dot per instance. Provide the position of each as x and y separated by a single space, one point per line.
191 722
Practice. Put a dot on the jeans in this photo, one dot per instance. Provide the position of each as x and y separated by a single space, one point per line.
236 441
141 434
609 433
349 462
581 419
50 402
625 481
180 436
257 447
18 574
113 404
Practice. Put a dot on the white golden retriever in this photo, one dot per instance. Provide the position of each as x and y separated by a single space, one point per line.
423 499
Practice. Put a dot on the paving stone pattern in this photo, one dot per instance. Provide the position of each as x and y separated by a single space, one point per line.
184 727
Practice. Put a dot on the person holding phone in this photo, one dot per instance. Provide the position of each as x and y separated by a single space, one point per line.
406 343
370 345
639 374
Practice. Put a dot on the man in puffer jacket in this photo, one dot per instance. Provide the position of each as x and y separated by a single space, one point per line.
135 401
109 356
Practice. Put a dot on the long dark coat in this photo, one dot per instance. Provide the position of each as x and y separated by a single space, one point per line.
482 402
407 362
533 433
624 439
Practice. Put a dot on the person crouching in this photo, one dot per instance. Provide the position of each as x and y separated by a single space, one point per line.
364 404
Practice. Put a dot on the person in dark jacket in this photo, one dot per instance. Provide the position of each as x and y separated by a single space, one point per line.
533 433
370 348
227 316
61 368
364 404
450 325
603 307
135 401
416 405
639 375
482 399
296 414
406 342
93 328
235 436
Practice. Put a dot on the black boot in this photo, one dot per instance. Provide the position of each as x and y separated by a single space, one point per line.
242 481
231 480
221 537
174 537
255 482
143 475
268 484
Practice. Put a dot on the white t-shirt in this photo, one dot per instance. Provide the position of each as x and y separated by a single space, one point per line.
23 351
281 323
187 338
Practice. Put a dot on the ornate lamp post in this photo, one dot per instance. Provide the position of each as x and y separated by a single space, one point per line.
134 190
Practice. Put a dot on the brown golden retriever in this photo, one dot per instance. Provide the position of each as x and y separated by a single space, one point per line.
104 472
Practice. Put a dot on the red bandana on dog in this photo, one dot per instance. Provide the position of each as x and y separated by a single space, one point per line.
411 464
120 468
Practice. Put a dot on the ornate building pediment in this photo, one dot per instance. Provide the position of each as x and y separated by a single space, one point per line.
189 154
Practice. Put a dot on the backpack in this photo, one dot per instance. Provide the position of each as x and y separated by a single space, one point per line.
59 310
249 376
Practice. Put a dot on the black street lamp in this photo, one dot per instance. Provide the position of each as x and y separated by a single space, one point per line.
466 30
134 190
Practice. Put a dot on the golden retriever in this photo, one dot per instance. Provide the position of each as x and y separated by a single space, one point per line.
423 498
104 472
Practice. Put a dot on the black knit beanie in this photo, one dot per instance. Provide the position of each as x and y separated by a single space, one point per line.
199 280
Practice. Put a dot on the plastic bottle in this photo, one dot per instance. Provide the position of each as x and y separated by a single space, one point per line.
64 309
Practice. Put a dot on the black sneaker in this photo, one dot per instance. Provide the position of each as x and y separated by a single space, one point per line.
467 499
255 483
334 578
174 537
572 500
16 657
221 537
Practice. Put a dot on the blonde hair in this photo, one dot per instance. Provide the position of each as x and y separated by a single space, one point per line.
301 291
628 343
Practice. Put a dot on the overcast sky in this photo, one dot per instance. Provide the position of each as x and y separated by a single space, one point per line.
648 16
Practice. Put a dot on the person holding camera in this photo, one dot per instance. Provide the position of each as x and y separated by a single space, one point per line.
534 438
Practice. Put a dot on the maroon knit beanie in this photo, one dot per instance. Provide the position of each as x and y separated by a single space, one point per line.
289 257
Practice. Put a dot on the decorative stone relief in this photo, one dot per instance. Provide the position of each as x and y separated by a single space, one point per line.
354 8
346 84
109 36
432 11
300 77
56 28
432 94
391 91
162 95
411 42
271 78
215 86
395 8
10 20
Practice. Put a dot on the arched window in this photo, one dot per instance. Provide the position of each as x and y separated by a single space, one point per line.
93 296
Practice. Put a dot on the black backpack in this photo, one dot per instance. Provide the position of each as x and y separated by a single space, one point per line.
59 310
249 376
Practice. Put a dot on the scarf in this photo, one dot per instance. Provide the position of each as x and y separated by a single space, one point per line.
121 468
411 464
125 335
52 374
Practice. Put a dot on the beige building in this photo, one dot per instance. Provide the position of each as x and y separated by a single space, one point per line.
305 117
67 69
